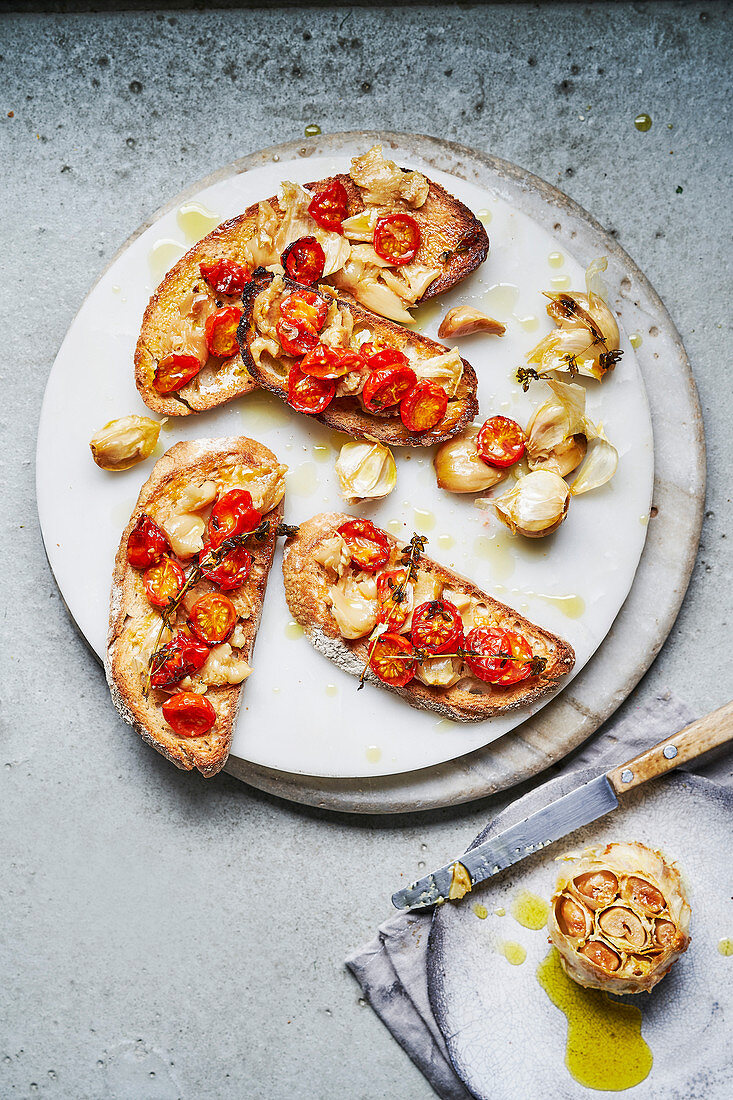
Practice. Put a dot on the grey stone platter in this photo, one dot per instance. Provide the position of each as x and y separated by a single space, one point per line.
491 1013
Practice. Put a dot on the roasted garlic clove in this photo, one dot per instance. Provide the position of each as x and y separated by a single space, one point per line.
464 320
535 506
556 434
366 471
125 442
572 918
460 469
623 926
597 888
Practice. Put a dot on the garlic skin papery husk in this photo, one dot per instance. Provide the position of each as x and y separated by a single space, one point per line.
460 469
535 506
123 443
561 438
619 917
366 471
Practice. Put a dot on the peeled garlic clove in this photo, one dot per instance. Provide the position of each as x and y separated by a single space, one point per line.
366 471
643 894
536 505
597 888
460 469
599 464
573 919
125 442
623 925
465 320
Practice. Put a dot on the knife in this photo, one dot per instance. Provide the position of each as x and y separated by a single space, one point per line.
585 804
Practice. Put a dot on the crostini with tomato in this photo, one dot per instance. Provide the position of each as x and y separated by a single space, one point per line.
388 614
388 237
335 361
187 593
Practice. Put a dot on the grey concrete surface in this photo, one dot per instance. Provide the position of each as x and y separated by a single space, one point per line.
165 936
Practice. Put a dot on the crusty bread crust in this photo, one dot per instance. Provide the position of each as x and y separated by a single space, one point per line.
453 239
200 459
346 414
306 587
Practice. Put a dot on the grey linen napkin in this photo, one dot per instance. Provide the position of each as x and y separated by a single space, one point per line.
391 969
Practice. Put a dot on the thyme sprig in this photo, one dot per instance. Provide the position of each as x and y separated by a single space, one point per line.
410 558
537 664
526 375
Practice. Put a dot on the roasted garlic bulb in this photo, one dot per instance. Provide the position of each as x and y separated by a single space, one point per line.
619 917
535 506
365 471
560 437
460 469
123 443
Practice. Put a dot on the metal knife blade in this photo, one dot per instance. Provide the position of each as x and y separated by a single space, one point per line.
579 807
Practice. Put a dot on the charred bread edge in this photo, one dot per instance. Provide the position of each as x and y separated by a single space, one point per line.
472 252
352 421
347 656
174 460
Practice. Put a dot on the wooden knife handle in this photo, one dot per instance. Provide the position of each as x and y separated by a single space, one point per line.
707 733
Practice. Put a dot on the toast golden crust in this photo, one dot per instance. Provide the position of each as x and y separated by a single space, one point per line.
453 241
346 414
184 464
306 590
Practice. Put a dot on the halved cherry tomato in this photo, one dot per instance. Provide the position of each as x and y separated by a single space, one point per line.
393 611
225 276
189 714
220 332
491 653
330 363
387 386
397 238
344 361
424 407
437 627
367 545
393 660
329 206
146 543
163 581
178 658
231 572
295 341
305 309
304 260
374 347
174 371
232 514
500 442
307 394
381 356
213 618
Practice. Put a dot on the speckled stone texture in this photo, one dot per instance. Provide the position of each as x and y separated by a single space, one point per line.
166 936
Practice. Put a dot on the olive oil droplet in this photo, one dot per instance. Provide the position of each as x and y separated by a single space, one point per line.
480 910
605 1049
484 216
162 256
424 520
395 527
312 130
725 947
513 952
530 323
499 300
294 630
556 259
529 910
331 690
496 551
373 754
446 541
643 123
195 220
560 282
500 912
635 340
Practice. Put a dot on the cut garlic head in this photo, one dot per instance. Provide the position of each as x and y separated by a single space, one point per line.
536 505
125 442
460 469
365 471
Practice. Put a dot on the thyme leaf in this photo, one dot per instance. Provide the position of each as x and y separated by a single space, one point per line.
526 375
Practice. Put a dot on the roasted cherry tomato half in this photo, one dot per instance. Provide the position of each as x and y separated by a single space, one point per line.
304 260
497 656
437 627
374 347
500 442
304 309
307 394
174 371
231 572
213 618
180 657
387 386
232 514
424 407
225 276
330 206
397 238
295 341
220 332
367 545
377 357
394 593
146 543
330 363
189 714
393 659
163 581
344 361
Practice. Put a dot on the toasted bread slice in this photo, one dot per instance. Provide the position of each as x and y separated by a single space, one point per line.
134 626
307 584
453 242
347 414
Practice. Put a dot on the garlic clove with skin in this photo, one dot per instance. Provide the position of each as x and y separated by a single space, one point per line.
123 443
535 506
460 469
465 320
366 471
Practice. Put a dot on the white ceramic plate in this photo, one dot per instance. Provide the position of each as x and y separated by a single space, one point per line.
505 1037
572 583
